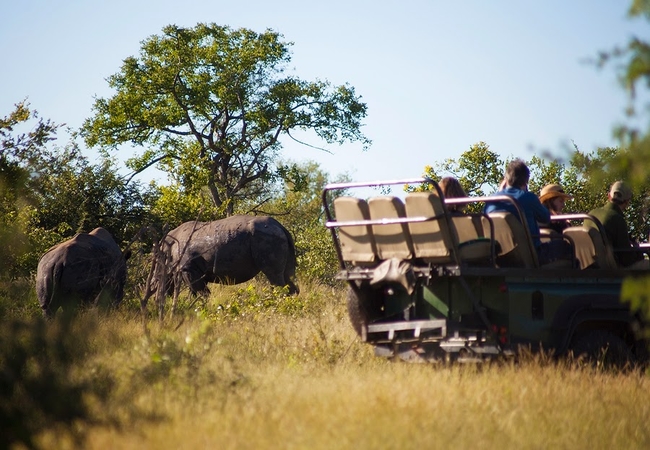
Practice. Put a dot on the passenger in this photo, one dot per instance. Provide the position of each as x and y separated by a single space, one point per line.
516 186
615 225
451 188
553 197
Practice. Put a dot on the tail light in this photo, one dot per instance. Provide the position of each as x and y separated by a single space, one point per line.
501 333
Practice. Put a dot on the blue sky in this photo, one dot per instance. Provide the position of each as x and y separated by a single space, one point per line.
437 76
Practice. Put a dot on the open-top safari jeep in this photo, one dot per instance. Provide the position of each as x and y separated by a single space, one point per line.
429 285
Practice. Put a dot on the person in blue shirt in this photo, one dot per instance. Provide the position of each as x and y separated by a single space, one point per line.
515 185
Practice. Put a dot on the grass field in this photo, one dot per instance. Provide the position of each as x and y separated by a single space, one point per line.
252 369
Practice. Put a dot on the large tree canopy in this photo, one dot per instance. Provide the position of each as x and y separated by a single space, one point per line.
210 104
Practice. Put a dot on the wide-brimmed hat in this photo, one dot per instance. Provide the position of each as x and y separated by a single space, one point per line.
551 191
620 191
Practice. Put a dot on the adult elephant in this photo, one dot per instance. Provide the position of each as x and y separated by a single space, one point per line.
87 269
231 250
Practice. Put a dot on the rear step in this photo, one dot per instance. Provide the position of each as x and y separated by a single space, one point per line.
399 332
413 340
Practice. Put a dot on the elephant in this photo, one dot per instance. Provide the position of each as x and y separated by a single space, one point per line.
231 250
87 269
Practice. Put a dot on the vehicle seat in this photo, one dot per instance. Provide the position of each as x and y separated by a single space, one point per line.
516 248
603 250
392 240
583 246
357 242
437 240
467 227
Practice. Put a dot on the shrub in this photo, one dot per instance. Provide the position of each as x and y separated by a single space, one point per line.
40 388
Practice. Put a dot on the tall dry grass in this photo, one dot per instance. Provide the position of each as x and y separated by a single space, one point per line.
251 369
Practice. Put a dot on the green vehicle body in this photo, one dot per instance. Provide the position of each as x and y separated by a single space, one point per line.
457 310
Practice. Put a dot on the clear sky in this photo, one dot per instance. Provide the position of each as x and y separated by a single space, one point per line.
437 75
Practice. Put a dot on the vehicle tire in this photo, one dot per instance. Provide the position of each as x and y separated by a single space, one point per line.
604 348
361 308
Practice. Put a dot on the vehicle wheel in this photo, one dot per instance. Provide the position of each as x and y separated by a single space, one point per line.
603 348
361 308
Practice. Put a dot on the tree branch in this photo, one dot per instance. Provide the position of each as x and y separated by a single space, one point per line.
308 145
149 164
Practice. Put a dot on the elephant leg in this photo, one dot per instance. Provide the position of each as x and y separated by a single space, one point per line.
194 274
48 313
293 288
278 279
275 278
289 276
196 283
273 256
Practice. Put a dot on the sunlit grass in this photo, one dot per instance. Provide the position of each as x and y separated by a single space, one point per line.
252 369
383 405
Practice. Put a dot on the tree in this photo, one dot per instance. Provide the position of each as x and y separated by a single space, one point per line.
74 194
210 104
21 155
632 160
48 193
479 171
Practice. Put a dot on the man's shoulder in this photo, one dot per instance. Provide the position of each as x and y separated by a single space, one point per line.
606 208
597 211
607 215
528 199
529 195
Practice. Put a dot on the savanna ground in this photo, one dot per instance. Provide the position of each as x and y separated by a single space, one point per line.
252 368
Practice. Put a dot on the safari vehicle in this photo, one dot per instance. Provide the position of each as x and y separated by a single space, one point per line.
429 285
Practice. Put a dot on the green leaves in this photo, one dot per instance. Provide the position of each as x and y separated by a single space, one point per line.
41 387
48 193
222 93
479 170
586 176
633 66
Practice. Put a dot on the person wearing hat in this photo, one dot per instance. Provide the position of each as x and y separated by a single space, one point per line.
553 197
613 221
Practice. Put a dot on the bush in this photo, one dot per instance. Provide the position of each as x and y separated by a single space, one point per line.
40 388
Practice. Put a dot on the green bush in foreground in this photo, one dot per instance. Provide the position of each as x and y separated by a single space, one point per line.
40 387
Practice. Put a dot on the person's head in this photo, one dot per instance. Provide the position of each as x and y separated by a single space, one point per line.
451 188
517 174
620 194
553 197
